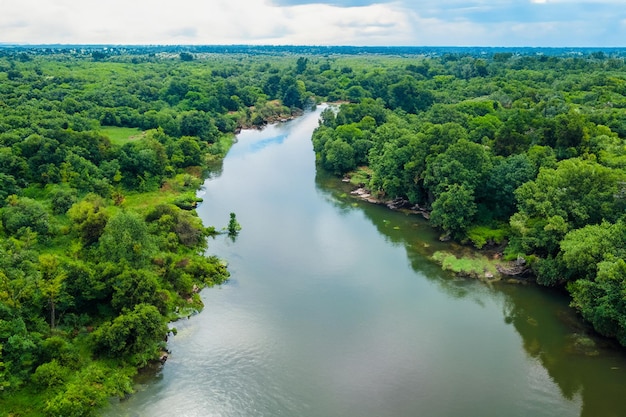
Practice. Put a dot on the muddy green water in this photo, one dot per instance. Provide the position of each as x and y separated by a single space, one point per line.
333 310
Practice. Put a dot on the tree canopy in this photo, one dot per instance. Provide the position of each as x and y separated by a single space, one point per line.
527 148
102 150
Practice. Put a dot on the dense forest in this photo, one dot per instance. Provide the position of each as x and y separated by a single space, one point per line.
100 246
102 150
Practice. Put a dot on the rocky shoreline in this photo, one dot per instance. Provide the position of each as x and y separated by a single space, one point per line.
394 204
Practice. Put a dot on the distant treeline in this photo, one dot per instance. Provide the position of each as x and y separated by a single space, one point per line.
408 51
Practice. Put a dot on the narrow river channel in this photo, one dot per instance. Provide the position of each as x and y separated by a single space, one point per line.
333 310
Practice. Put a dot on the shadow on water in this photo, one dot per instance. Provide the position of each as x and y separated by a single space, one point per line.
580 362
584 365
214 170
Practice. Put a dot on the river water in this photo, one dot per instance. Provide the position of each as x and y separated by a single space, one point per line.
334 310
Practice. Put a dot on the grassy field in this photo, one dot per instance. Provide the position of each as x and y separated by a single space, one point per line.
121 135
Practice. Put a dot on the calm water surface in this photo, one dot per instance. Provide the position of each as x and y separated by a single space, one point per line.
334 310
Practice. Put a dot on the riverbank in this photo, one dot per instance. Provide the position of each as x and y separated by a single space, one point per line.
264 114
466 261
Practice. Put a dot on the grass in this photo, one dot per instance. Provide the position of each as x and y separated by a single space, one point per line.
476 265
361 175
121 135
481 235
172 189
145 200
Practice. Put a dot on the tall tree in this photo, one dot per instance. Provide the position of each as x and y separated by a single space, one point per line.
52 277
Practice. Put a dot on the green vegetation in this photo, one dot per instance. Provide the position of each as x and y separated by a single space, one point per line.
102 150
524 154
233 225
476 266
481 235
121 135
100 160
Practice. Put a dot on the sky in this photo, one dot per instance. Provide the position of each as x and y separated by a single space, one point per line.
542 23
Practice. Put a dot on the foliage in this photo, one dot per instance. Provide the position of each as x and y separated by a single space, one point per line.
481 235
25 214
134 332
100 154
516 150
126 239
574 194
233 225
454 210
476 267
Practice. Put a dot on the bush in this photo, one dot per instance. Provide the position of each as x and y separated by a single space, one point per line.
62 199
50 374
187 201
26 213
482 235
88 391
139 332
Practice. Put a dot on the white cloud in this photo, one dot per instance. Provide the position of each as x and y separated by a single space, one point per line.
197 21
402 22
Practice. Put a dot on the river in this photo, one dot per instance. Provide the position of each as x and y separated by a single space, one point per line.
334 310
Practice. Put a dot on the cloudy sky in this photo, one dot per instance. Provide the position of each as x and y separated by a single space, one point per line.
316 22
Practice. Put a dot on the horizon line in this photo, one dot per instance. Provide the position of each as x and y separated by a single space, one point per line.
147 45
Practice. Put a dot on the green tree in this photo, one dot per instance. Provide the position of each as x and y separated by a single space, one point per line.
89 218
601 302
186 56
136 286
86 285
143 163
138 332
52 278
12 164
62 198
293 92
233 225
88 391
463 163
50 374
410 96
23 214
301 64
9 187
454 210
391 162
577 193
126 238
506 176
339 156
514 136
197 123
191 153
584 249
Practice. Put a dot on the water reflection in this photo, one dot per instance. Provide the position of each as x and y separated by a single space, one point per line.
581 363
248 147
587 368
262 144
